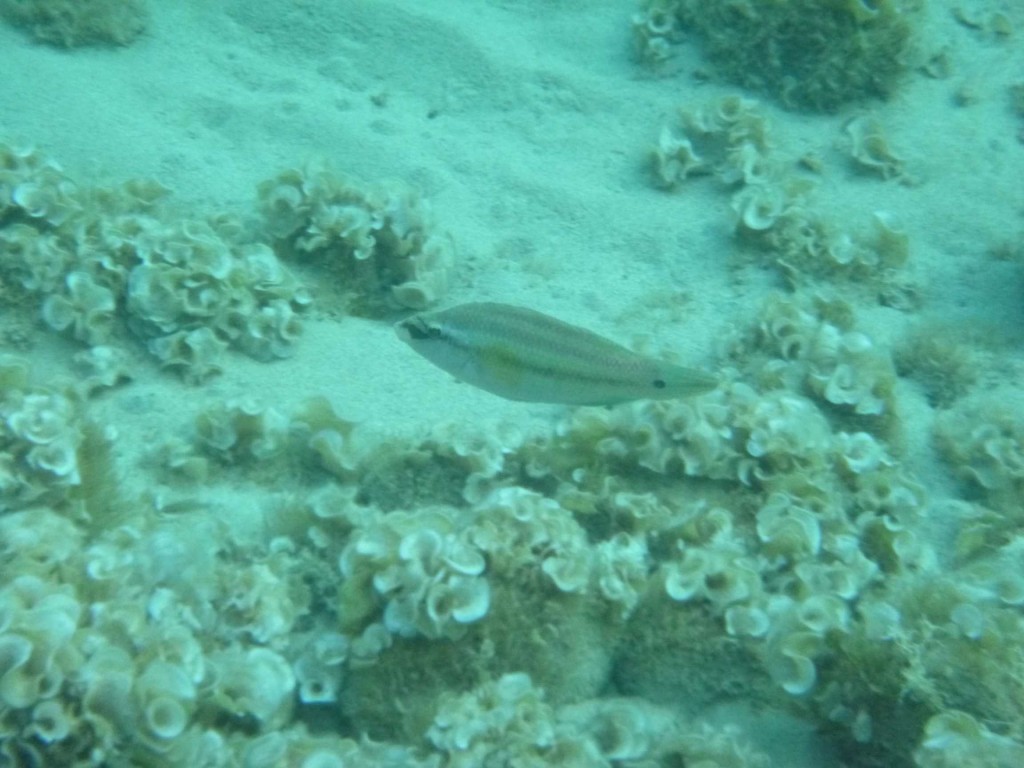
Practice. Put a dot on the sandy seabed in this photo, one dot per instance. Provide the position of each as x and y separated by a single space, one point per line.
528 126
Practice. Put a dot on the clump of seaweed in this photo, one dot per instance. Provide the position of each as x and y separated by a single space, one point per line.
808 54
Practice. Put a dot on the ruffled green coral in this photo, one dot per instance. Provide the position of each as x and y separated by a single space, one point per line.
508 722
983 440
106 262
814 347
806 53
71 23
774 211
41 434
377 244
943 365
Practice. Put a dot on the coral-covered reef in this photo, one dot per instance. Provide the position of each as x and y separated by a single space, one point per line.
752 548
378 244
807 54
768 574
71 23
112 263
775 212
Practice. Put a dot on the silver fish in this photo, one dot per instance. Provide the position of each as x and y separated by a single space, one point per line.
521 354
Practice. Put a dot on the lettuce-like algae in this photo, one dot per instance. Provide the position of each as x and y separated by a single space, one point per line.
71 23
807 54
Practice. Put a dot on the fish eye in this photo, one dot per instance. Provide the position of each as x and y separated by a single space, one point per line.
659 383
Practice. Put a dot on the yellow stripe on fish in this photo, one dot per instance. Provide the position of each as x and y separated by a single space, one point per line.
521 354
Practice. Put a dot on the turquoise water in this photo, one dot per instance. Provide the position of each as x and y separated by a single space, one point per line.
241 523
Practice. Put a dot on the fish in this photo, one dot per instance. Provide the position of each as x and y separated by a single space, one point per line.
525 355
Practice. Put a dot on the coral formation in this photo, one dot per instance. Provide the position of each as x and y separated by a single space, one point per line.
814 348
71 23
808 246
106 262
41 432
943 366
804 53
983 440
428 577
317 595
507 721
865 142
753 545
729 139
377 243
956 738
236 431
